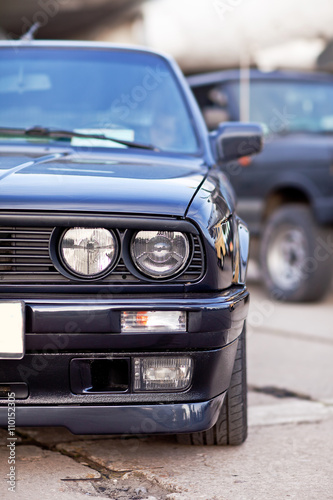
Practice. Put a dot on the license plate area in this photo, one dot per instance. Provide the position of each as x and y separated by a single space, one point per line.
12 329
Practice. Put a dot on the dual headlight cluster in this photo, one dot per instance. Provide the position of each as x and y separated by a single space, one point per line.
93 252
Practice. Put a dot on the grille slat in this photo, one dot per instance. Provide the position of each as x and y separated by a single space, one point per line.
19 273
23 231
23 240
27 264
12 246
24 256
25 259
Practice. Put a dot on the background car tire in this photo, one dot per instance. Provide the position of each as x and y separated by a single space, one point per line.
295 265
231 426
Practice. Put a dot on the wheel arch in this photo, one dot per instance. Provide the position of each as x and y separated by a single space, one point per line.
285 194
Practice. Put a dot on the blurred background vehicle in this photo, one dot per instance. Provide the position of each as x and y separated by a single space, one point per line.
285 193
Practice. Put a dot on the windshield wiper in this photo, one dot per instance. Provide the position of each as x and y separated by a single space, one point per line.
63 134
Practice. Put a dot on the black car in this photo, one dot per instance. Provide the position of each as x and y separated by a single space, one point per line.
122 261
286 193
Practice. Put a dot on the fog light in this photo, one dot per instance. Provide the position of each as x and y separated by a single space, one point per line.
162 373
153 321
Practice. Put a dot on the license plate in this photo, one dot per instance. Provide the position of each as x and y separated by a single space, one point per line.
11 330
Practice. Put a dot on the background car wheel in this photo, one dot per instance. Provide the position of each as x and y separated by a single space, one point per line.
295 264
231 426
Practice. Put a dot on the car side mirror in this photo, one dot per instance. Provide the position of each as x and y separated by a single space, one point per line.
234 140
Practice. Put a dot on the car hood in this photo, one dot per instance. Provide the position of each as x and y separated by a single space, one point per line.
102 183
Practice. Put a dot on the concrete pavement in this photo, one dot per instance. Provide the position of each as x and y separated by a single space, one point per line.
288 454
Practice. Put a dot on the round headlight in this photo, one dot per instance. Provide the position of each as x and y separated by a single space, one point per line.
88 252
160 254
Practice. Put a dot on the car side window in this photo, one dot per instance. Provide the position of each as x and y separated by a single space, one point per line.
283 106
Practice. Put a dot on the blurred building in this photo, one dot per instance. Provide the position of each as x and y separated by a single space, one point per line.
212 34
68 19
202 35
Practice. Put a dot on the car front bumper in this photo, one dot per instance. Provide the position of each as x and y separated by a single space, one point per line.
62 331
122 419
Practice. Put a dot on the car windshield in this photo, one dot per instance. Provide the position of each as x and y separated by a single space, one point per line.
292 106
126 95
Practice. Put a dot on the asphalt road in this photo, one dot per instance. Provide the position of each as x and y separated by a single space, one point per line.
288 453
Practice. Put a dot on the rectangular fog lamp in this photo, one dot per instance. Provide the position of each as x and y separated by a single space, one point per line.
153 321
162 373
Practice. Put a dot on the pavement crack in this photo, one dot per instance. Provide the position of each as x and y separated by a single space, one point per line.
127 484
81 479
103 471
280 392
294 335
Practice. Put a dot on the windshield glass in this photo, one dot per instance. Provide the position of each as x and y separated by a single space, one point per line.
293 106
126 95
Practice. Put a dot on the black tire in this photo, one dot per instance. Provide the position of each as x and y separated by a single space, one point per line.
231 426
295 265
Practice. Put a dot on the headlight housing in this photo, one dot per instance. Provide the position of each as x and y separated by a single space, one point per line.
88 252
160 254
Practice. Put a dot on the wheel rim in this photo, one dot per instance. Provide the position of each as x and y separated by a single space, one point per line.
286 255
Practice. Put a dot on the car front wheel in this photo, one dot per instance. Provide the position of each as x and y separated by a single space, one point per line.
231 425
295 257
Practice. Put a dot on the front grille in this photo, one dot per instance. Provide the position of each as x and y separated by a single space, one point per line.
24 252
25 259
